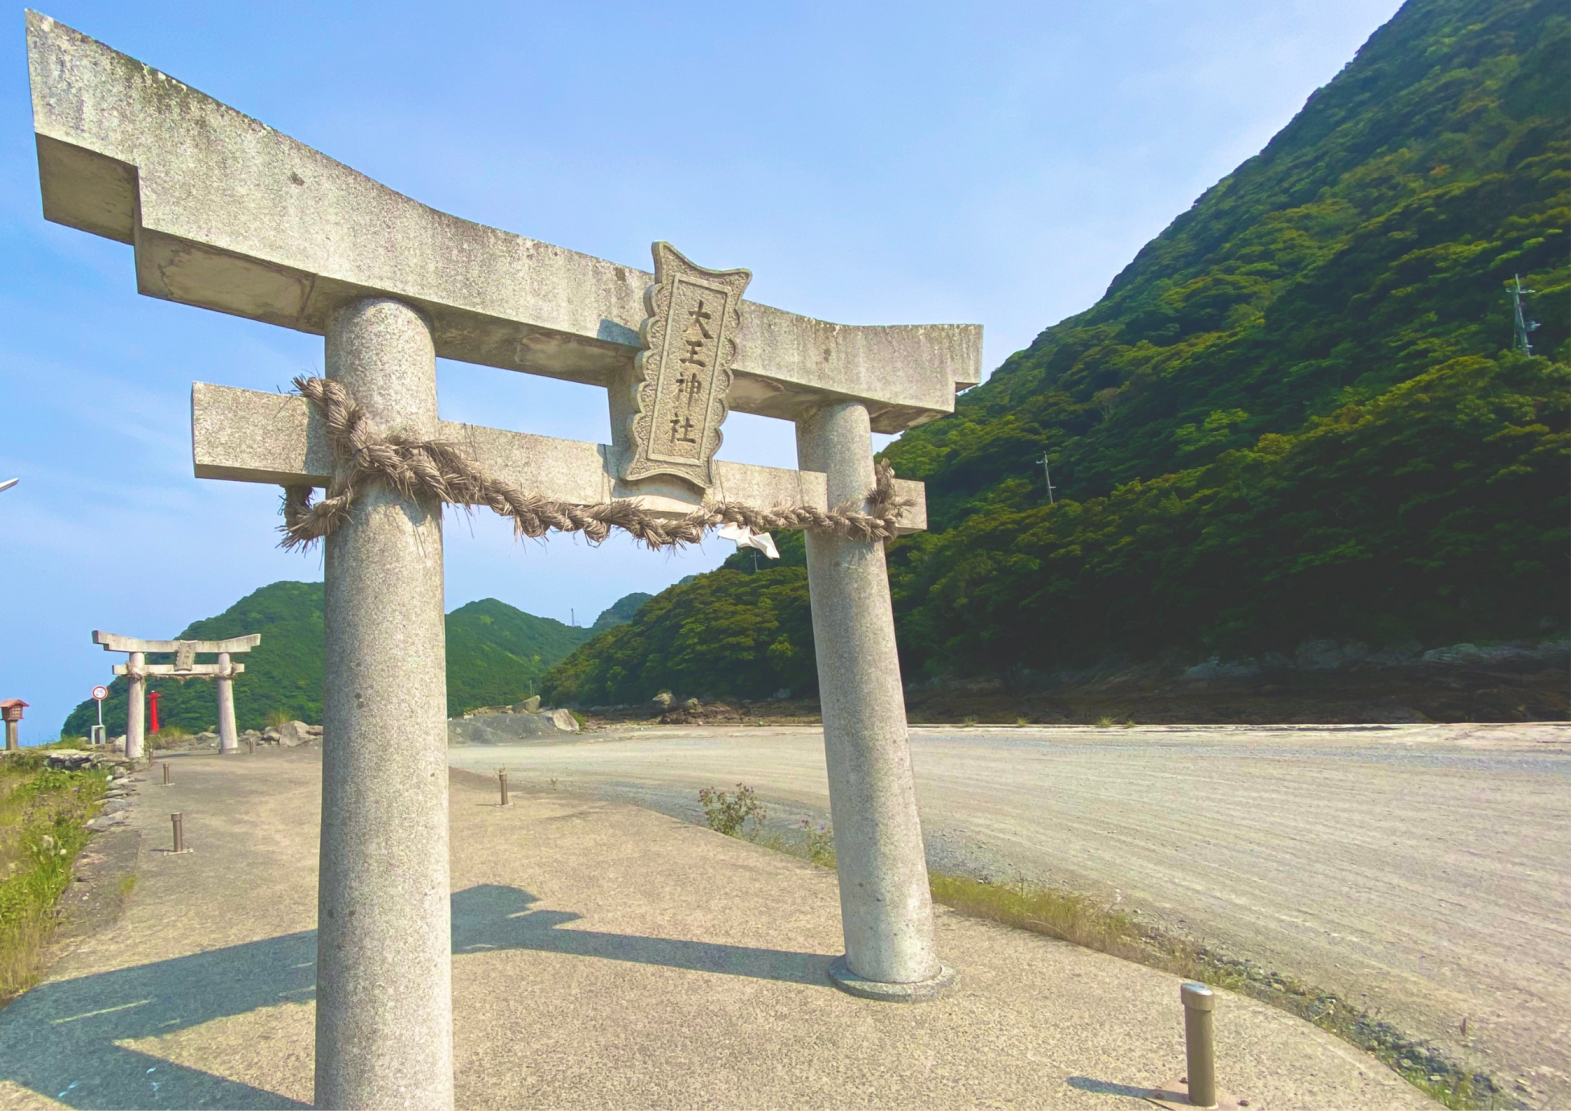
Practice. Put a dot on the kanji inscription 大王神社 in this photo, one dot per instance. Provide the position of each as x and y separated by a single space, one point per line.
683 374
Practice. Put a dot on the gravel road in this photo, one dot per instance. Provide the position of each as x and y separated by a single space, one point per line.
1422 870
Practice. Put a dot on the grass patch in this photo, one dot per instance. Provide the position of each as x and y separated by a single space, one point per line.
1083 921
42 813
167 737
1066 916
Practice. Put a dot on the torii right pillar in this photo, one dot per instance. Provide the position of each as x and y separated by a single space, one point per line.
886 907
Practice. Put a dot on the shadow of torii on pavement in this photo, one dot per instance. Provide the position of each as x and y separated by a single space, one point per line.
61 1039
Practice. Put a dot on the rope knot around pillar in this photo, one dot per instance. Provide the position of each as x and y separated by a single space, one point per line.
437 473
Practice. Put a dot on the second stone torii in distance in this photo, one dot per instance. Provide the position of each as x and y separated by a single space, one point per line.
228 214
137 671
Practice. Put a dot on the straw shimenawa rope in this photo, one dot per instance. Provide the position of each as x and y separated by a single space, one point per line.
433 471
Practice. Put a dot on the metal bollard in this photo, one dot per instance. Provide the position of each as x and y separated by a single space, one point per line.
166 773
1199 1045
179 823
501 775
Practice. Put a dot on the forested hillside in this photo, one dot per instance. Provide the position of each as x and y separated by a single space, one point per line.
1295 414
496 654
1371 240
732 631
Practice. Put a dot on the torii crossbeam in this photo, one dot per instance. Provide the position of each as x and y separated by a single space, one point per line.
225 213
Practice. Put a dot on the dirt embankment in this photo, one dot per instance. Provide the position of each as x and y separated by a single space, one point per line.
1322 684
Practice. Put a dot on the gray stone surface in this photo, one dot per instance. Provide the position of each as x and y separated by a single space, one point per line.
494 729
852 984
682 377
195 671
884 898
136 707
564 721
293 734
384 1035
183 649
228 737
232 215
250 436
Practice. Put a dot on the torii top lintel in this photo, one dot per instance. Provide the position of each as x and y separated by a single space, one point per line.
228 214
113 642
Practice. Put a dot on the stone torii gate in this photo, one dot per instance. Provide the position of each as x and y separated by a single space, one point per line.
225 213
137 671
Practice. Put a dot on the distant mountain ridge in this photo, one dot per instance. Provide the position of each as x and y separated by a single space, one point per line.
496 654
621 612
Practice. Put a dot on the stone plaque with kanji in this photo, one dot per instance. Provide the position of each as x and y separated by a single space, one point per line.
684 371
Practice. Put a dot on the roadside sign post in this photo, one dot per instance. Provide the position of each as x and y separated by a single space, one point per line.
99 694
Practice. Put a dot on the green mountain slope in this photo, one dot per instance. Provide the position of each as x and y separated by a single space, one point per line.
1369 242
496 654
730 632
1295 414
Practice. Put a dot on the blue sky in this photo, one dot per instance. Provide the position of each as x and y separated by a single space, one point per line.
872 164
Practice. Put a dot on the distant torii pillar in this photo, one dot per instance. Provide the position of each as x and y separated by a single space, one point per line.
137 671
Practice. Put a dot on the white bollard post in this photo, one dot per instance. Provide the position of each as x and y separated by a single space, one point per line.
228 736
384 1020
885 905
136 705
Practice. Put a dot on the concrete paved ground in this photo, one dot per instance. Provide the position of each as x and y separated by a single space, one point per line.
1423 871
605 956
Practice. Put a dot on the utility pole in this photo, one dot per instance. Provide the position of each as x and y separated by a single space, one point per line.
572 617
1048 471
1523 325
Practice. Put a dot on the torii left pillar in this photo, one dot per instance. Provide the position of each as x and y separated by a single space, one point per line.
136 704
384 1016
